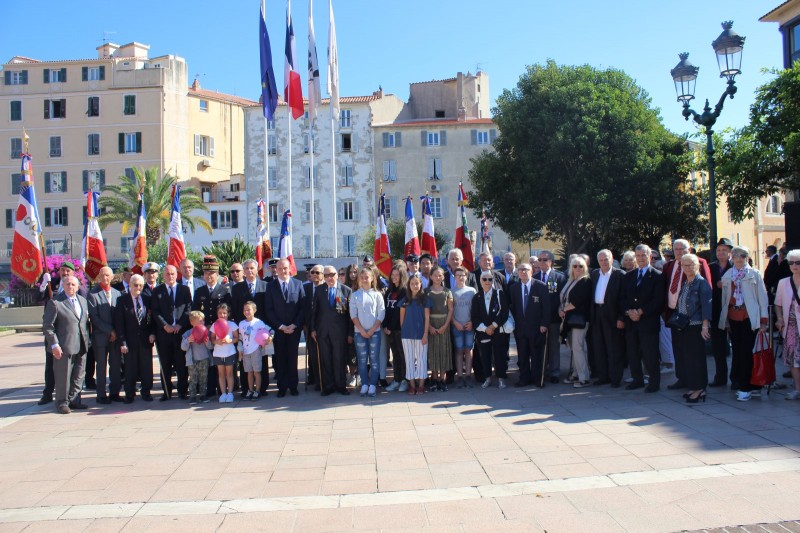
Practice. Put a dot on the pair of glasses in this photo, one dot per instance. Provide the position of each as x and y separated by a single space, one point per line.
331 275
486 279
795 263
235 271
543 260
316 273
577 266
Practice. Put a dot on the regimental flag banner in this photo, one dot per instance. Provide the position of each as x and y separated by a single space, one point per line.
428 235
269 89
177 249
93 251
412 239
138 249
463 241
314 91
333 64
381 252
292 85
485 234
285 244
263 246
26 252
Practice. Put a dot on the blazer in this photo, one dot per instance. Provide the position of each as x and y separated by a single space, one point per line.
148 291
498 283
101 311
63 327
783 299
754 293
334 321
130 332
498 312
309 301
610 310
669 268
164 309
55 284
207 301
771 276
555 284
648 296
240 295
537 311
717 271
509 279
581 297
284 312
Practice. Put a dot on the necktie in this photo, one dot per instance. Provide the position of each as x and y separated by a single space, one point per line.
172 294
639 277
332 296
676 276
544 278
139 309
285 291
524 298
76 306
252 288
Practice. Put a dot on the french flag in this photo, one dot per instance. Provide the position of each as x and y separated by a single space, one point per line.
292 85
285 244
412 239
381 251
463 241
263 246
93 251
428 238
177 249
26 254
138 250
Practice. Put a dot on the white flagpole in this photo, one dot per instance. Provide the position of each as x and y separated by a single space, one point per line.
333 99
312 182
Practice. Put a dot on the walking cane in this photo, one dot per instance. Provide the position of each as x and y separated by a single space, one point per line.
544 358
319 368
164 383
307 368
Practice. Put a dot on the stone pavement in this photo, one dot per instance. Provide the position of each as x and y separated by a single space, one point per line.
556 459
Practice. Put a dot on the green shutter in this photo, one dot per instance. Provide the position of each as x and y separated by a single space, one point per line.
64 182
84 73
424 137
23 77
46 75
214 219
47 109
9 218
46 216
122 143
138 142
234 219
46 182
85 181
102 73
8 77
63 108
64 221
63 75
102 179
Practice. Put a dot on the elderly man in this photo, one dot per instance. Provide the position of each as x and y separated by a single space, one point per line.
284 306
251 289
555 281
534 262
607 321
102 301
235 274
455 259
151 271
187 276
133 322
330 328
66 331
171 304
122 285
315 283
530 306
509 268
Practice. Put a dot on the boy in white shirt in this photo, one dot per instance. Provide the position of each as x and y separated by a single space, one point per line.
250 352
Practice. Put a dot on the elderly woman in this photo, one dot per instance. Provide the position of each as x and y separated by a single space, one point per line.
787 307
744 312
688 339
628 261
489 314
576 301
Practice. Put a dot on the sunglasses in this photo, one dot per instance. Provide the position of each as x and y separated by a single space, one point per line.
577 266
794 263
316 272
486 279
332 274
543 259
232 271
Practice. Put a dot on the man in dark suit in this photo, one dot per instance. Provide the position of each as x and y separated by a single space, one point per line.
133 322
486 264
151 271
171 304
455 259
251 289
771 272
284 305
509 271
330 327
530 306
66 330
315 282
187 277
719 337
607 321
643 297
555 281
122 285
102 301
207 298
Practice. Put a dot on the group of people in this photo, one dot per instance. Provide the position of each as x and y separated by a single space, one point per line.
434 326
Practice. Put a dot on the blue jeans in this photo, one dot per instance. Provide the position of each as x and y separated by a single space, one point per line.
367 351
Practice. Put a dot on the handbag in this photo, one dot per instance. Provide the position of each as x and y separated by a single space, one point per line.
763 362
508 327
576 321
678 321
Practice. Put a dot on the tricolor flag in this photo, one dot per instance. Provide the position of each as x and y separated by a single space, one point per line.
333 64
26 251
176 252
285 244
292 85
463 241
381 251
428 235
314 91
138 249
412 239
269 89
485 234
93 251
263 246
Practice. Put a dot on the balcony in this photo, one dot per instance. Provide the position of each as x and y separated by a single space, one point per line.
223 194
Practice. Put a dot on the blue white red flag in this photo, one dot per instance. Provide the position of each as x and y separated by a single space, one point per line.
26 251
292 85
412 238
485 234
285 243
269 89
138 249
263 246
93 251
428 235
176 252
381 251
463 241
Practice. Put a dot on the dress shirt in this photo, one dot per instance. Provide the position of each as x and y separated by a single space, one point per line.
190 283
602 285
672 299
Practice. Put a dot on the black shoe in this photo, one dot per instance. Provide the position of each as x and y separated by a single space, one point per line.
695 399
90 385
615 384
147 397
128 400
652 388
164 398
116 398
325 393
600 382
343 391
522 384
183 396
281 393
383 383
676 386
633 385
317 388
787 374
103 400
75 406
294 392
718 383
44 400
554 380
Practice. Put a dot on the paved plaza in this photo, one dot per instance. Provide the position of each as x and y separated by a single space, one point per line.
558 459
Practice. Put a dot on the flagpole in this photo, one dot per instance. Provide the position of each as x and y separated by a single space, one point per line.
312 183
266 181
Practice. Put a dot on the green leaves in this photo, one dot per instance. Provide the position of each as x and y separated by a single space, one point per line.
230 252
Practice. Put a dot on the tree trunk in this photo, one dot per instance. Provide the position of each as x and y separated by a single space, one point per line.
153 235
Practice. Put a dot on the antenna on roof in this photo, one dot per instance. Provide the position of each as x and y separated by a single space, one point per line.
106 35
478 67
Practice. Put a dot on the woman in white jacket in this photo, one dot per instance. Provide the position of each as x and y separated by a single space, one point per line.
787 307
745 310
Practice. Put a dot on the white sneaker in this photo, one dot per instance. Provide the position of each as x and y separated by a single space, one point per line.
794 395
486 383
364 389
230 397
371 390
393 386
501 383
403 386
743 396
223 398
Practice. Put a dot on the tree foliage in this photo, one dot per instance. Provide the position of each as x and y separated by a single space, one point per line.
763 158
229 252
583 157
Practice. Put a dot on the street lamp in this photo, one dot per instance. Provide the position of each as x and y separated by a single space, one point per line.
728 49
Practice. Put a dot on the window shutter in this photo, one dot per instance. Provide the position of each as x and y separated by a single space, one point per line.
339 211
64 221
211 147
23 77
235 218
84 73
8 77
386 167
64 182
85 180
356 210
443 138
102 179
138 142
492 135
473 137
63 108
102 73
339 147
9 218
47 109
63 75
46 182
424 138
214 219
353 142
122 143
398 139
445 205
431 168
196 144
46 75
385 139
46 216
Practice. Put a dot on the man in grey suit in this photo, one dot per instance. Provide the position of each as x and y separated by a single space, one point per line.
102 300
66 330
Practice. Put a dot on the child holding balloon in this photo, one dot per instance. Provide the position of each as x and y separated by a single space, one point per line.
198 356
253 336
224 334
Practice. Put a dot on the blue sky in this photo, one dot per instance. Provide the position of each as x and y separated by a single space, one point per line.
391 43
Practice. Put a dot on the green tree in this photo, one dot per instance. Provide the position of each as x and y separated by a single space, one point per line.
396 230
763 158
230 252
583 158
158 254
121 203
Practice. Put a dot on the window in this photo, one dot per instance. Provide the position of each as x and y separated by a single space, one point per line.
390 170
274 213
55 182
225 219
274 241
349 245
54 75
347 142
348 211
307 177
774 205
272 178
436 207
344 118
15 110
483 137
434 169
306 143
307 244
55 109
129 104
125 243
204 106
93 106
130 143
439 113
204 145
55 146
794 44
56 246
388 206
392 139
94 180
16 181
93 140
128 173
55 216
16 147
273 144
346 179
16 77
307 211
434 138
93 73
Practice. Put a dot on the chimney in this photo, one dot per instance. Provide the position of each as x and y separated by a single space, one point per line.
196 85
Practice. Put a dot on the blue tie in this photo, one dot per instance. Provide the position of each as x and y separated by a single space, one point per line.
332 296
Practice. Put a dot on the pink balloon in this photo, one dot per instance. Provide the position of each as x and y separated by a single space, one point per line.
200 333
221 328
262 337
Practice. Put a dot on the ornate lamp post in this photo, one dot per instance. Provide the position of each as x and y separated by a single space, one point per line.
728 48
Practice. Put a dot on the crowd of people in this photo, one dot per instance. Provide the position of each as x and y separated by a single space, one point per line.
435 326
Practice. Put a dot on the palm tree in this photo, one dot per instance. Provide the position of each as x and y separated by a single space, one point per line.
230 252
123 203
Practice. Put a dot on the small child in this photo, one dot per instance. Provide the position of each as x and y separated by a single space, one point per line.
198 357
225 354
415 312
250 352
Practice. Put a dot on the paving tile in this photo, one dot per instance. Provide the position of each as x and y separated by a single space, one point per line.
513 472
569 523
329 519
183 490
271 522
463 512
405 480
568 470
530 506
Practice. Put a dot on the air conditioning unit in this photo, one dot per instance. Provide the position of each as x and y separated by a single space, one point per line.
206 162
436 188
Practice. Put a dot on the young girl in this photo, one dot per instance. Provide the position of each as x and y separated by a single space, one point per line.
463 334
440 349
250 352
225 354
398 279
198 355
367 311
351 280
414 323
